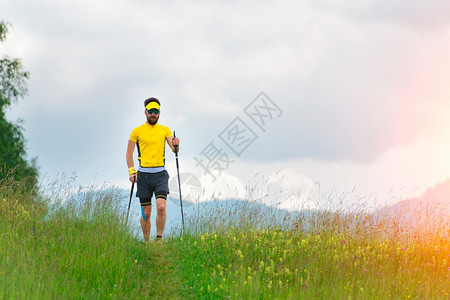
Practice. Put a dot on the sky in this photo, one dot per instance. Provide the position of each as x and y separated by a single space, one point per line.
294 103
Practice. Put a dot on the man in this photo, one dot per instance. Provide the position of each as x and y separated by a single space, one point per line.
152 177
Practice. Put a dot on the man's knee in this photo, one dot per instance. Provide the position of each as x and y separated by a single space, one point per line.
161 206
161 202
146 212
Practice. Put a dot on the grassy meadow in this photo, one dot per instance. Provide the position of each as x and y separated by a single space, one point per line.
52 246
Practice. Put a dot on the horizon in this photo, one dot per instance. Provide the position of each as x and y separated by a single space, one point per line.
410 213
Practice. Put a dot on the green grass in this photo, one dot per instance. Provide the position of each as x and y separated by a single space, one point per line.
276 264
55 249
75 252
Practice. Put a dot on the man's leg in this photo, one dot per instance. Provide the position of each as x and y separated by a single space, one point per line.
145 223
161 216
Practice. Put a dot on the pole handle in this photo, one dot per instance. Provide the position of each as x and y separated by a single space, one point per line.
175 146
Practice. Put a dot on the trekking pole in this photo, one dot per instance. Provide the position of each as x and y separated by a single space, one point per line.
179 184
129 203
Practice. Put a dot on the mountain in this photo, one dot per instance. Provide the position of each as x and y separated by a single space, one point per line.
214 214
429 210
434 199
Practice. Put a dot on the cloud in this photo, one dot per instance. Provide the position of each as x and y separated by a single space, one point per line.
355 81
225 187
416 13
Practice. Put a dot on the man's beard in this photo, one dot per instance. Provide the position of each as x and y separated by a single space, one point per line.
152 121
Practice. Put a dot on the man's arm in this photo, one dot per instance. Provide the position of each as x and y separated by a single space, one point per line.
130 161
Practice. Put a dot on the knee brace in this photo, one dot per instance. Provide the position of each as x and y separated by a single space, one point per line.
143 213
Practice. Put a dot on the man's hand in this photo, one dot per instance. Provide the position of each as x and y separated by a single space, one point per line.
176 142
133 178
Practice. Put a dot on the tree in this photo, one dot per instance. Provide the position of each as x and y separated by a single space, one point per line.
12 142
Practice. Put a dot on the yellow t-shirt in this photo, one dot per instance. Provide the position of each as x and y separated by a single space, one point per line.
151 143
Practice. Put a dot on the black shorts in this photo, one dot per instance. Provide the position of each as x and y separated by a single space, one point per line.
152 183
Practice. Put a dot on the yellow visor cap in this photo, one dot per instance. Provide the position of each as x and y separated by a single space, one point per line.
152 105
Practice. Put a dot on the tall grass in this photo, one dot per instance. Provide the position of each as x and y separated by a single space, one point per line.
76 248
245 250
71 242
277 264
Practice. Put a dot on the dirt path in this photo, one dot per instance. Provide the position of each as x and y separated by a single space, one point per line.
165 280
